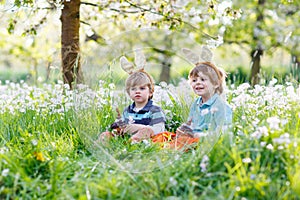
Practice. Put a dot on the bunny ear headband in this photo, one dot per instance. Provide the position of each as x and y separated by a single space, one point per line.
139 60
205 55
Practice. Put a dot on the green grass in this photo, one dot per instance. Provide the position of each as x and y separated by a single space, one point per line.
48 154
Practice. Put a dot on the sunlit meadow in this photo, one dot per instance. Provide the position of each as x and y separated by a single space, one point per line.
48 148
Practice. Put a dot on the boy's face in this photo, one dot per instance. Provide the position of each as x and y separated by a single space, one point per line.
203 86
140 94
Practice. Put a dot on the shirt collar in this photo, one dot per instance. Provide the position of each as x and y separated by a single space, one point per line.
209 102
146 107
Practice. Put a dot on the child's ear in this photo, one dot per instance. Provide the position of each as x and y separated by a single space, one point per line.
150 93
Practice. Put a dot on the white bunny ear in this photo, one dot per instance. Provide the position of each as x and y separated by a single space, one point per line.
140 59
191 56
126 65
206 54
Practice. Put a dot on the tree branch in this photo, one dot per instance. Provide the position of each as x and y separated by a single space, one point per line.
142 9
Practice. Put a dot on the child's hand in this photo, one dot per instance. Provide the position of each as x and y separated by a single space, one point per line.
118 127
119 123
184 129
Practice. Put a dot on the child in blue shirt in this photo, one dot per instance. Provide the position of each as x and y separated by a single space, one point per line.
209 111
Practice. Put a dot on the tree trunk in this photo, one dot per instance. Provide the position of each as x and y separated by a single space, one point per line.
295 67
166 68
257 52
70 49
255 69
165 73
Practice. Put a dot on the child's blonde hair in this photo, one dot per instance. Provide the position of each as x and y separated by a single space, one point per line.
216 75
140 78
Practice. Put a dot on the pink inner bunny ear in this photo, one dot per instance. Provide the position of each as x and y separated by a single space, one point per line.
191 56
140 59
126 65
206 54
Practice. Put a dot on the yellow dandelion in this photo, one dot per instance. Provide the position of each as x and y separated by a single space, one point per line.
39 156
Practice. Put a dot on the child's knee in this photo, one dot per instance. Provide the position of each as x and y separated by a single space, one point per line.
132 129
104 136
148 130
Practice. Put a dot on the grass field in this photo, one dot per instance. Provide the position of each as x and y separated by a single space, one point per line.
47 148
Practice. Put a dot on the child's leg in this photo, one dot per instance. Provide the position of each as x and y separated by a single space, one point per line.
132 129
142 134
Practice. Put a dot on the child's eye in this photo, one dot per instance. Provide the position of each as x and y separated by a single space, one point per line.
133 89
